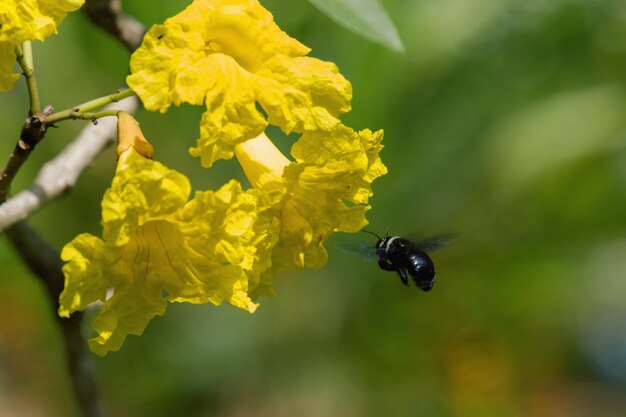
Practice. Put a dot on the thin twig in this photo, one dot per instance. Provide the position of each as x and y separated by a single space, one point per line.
60 174
95 115
24 54
94 104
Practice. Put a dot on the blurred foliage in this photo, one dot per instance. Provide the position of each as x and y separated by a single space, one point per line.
504 122
367 18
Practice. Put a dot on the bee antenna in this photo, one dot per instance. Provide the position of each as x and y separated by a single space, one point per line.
371 233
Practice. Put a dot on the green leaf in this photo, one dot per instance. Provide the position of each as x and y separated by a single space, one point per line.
367 18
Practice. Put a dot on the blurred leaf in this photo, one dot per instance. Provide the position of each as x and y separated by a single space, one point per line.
367 18
555 130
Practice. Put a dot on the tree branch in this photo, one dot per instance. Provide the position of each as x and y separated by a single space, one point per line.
45 263
60 174
32 133
108 15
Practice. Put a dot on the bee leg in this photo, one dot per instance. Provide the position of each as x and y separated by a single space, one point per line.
403 277
386 266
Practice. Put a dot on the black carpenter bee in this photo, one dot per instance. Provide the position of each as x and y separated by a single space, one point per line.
395 253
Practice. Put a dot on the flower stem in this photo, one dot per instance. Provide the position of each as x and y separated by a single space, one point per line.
94 116
24 54
81 111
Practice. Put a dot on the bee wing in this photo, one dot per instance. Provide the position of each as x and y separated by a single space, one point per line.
365 250
435 243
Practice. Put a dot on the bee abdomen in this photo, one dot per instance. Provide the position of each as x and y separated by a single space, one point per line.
422 270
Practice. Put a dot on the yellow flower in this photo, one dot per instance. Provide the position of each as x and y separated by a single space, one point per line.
26 20
158 247
325 190
230 56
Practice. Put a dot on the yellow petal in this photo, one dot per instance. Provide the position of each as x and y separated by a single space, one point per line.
7 62
142 191
158 248
128 311
231 56
302 93
85 279
24 20
233 228
327 191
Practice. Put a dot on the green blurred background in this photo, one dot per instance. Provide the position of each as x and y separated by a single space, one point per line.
504 122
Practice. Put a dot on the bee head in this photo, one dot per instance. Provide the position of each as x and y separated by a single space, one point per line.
381 244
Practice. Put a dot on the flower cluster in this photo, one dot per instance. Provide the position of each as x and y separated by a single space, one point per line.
159 244
27 20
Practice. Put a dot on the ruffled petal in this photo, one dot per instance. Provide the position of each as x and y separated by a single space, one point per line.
86 281
328 190
302 93
158 248
236 228
129 310
144 190
325 190
231 56
7 62
25 20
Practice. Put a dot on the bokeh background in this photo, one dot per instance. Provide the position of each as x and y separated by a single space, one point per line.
505 122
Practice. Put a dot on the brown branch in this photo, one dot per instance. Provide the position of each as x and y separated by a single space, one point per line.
33 131
108 15
44 262
60 174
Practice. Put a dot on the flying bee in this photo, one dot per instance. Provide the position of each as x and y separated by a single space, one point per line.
395 253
